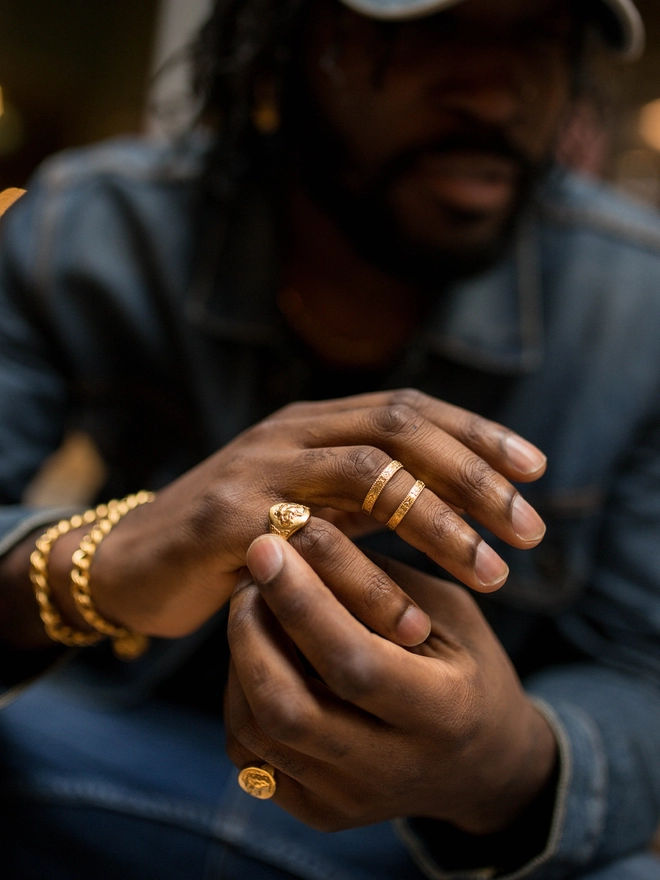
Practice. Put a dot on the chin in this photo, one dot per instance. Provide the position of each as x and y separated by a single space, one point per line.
429 250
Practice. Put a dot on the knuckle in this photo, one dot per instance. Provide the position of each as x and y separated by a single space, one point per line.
317 541
362 464
356 675
409 397
443 524
377 591
475 430
396 420
283 720
476 477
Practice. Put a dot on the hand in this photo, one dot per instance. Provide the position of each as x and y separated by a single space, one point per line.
170 565
444 730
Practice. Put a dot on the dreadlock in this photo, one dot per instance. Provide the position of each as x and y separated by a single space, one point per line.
243 44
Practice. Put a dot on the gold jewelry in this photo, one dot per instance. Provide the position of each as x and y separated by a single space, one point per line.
286 519
405 505
8 197
379 484
258 781
126 644
55 627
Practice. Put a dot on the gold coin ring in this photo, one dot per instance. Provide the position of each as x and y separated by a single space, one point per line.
379 484
259 782
405 505
286 519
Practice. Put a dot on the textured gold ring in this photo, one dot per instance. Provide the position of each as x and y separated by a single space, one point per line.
379 484
405 505
286 519
258 781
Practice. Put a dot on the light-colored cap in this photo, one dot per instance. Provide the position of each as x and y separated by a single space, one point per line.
622 24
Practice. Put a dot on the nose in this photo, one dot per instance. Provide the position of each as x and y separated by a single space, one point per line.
488 85
497 104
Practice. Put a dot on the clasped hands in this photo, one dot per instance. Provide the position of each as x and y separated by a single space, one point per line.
414 707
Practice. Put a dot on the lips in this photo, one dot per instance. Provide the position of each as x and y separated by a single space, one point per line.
469 181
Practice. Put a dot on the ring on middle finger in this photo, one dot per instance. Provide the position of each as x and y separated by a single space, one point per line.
405 505
379 484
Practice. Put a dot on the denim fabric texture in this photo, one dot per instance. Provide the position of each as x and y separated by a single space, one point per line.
129 307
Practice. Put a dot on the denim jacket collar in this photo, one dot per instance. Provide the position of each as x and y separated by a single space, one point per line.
492 322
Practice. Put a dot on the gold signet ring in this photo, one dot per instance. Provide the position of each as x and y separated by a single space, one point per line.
286 519
258 781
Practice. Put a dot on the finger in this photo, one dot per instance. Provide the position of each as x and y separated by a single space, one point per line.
457 475
430 526
316 793
357 665
508 452
456 620
360 585
287 708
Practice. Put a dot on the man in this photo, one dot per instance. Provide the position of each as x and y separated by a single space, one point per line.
377 209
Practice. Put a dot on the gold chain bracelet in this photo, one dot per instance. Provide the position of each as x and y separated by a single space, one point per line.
126 644
55 627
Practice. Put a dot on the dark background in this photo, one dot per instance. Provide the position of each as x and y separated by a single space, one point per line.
76 71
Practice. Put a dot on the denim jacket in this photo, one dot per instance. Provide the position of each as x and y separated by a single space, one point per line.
130 307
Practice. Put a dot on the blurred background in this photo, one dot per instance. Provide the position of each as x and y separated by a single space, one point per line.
75 71
72 72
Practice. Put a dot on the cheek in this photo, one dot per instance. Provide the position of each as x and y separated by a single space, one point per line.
372 123
549 97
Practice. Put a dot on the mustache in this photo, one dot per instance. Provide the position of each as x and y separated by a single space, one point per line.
489 142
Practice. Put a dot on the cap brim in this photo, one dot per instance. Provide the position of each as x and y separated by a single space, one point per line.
623 29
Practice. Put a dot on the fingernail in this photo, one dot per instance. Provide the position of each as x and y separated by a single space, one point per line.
489 567
414 627
527 524
523 456
265 558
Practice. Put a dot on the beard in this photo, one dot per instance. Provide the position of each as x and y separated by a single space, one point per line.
367 208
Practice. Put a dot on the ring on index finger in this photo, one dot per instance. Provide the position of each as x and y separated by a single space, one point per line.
379 484
286 519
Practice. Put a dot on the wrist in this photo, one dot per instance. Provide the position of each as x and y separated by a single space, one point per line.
59 575
510 785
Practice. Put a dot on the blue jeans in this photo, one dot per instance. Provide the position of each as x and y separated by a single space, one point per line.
148 794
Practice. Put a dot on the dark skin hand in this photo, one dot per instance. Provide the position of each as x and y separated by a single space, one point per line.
443 730
170 565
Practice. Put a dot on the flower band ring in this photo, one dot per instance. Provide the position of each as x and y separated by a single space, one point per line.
405 505
379 484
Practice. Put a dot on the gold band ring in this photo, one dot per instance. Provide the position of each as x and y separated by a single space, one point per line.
258 781
286 519
379 484
405 505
